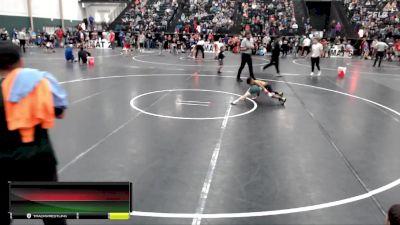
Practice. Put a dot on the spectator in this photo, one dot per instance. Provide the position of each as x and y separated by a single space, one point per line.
69 53
3 34
112 39
332 30
393 216
33 36
374 18
15 34
306 46
60 37
82 55
273 18
397 48
121 37
364 47
22 39
338 28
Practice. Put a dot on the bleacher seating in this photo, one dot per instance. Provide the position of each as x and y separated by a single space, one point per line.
376 18
273 17
152 15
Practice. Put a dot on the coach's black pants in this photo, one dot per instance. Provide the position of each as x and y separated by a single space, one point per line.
274 61
200 48
305 49
22 44
315 62
246 58
24 171
380 56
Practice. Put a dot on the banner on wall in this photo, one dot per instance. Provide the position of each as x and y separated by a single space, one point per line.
102 43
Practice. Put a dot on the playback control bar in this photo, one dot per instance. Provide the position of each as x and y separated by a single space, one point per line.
72 216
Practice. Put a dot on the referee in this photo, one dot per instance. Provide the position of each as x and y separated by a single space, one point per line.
200 47
246 47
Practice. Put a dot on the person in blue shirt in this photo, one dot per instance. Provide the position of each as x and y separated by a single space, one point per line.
121 38
69 54
15 34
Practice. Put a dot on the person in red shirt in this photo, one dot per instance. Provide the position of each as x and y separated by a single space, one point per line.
187 28
210 37
195 26
112 39
397 48
60 37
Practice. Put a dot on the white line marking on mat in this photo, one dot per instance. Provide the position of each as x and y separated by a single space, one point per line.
104 138
95 145
198 102
37 57
192 104
122 76
174 69
86 98
273 212
290 74
135 58
211 168
190 118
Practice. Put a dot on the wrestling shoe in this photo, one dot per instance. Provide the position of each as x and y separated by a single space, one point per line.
282 100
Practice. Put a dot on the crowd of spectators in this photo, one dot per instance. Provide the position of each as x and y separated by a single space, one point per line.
146 22
146 16
273 17
4 34
374 18
204 17
223 12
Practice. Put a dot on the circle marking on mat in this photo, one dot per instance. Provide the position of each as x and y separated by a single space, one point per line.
135 58
348 200
190 118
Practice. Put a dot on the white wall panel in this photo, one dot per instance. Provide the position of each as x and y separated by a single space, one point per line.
46 9
72 10
14 7
101 11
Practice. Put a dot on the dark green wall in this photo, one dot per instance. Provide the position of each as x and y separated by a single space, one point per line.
10 22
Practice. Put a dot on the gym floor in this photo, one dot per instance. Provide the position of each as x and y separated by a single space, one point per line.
329 156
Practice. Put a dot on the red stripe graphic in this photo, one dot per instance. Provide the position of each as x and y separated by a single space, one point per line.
72 195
